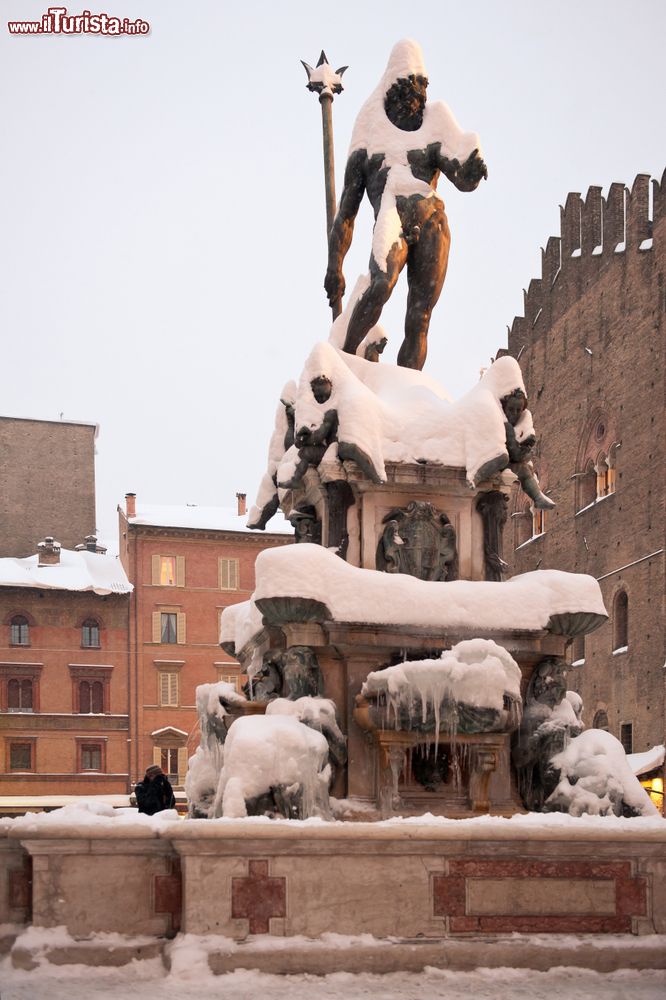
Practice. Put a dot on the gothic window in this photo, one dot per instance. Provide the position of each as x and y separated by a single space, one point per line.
600 720
627 736
90 634
603 478
620 622
587 486
538 522
20 631
578 650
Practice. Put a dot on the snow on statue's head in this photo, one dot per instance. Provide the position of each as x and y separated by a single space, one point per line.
404 85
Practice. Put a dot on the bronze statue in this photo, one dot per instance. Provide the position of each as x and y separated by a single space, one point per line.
399 148
519 451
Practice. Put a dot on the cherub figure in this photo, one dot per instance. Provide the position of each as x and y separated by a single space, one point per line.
514 406
313 442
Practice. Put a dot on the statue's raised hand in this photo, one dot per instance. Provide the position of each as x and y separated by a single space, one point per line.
334 283
472 171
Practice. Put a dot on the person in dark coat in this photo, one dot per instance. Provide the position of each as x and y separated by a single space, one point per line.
154 793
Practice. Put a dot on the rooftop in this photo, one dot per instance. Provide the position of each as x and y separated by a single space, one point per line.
203 518
80 571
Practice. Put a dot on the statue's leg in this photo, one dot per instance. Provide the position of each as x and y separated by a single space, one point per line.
369 307
426 270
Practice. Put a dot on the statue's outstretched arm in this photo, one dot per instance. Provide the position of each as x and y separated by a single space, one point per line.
466 175
342 230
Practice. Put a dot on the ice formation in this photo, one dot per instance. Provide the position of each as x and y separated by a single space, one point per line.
475 673
273 754
595 778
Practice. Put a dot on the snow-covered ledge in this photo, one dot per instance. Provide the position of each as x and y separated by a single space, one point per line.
426 876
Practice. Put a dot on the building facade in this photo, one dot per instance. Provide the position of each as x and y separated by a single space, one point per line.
592 352
64 657
186 565
47 483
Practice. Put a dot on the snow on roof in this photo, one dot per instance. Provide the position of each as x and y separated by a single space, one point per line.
642 763
202 518
82 571
363 595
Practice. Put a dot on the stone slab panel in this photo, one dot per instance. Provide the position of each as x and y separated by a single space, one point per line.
540 897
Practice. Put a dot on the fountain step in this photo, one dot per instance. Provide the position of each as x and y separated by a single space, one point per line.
600 953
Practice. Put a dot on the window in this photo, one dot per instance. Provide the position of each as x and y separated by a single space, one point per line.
169 763
21 756
19 694
538 522
627 736
620 622
604 478
168 571
168 688
229 678
91 757
600 720
229 574
90 634
169 627
20 631
578 651
91 697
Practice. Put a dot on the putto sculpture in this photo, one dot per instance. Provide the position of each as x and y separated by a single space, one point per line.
400 145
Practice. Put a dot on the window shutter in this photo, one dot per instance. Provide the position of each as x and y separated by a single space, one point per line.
228 572
173 689
157 756
182 764
156 571
164 688
157 626
180 571
180 634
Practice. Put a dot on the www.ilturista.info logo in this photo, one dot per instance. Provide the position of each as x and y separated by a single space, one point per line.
57 21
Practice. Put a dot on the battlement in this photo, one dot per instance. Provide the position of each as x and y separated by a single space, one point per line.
593 231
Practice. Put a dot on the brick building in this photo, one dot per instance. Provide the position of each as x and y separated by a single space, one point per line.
591 348
47 483
186 565
64 709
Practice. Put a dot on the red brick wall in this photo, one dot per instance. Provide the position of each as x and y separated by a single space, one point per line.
55 642
611 303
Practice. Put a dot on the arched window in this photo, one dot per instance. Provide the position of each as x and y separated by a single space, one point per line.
20 631
90 633
600 720
603 478
538 522
91 697
620 622
587 486
19 694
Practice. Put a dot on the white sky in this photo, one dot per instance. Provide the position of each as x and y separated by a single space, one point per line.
162 219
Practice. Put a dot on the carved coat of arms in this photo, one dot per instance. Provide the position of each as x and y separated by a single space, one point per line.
418 540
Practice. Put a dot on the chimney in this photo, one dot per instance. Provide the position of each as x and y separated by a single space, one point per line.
130 504
49 552
242 506
90 545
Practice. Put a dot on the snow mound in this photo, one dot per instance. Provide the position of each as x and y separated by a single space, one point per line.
263 752
596 778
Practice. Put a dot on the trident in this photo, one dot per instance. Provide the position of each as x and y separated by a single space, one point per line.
326 82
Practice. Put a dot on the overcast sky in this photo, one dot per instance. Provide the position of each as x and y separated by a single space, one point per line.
162 222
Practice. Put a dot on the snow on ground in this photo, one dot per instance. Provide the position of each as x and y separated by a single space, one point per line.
148 981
